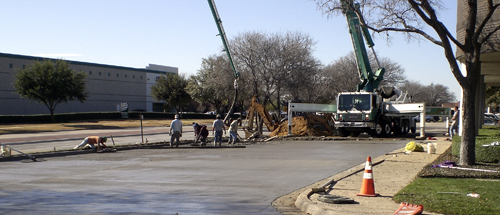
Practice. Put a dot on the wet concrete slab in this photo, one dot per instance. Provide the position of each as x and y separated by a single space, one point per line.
184 181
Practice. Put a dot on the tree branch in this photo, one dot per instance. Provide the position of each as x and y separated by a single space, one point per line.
479 29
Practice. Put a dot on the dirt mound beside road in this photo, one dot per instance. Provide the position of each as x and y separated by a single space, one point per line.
300 127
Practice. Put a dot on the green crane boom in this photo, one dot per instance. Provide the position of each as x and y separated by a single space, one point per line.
369 80
222 34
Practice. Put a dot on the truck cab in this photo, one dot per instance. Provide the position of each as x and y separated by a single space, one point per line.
356 112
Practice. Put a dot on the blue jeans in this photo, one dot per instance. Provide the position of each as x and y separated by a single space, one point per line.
218 137
233 137
453 130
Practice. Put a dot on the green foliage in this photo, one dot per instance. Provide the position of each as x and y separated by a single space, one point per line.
171 88
487 135
50 83
493 96
449 196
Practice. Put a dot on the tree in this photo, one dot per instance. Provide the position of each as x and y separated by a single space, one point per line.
274 65
343 73
213 83
493 96
50 83
438 94
409 17
431 95
171 88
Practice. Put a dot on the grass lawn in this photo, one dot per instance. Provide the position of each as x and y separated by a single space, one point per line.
443 190
449 195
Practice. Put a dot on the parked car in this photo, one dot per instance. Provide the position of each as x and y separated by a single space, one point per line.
427 118
211 112
491 119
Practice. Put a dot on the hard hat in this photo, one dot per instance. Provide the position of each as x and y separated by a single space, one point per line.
176 116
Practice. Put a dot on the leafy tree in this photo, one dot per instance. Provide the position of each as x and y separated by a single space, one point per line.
410 17
171 88
50 83
493 96
213 83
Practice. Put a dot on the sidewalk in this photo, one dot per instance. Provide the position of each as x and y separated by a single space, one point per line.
391 173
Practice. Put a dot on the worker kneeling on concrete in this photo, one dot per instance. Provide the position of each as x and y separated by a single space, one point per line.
200 133
91 141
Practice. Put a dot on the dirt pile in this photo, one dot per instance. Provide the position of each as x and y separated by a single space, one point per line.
300 127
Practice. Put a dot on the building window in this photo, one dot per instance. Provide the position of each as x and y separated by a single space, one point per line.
99 73
10 65
141 77
90 72
109 74
125 75
133 76
117 75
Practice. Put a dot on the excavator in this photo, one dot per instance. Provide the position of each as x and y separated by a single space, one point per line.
379 112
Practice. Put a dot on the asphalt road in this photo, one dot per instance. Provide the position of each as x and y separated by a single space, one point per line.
183 181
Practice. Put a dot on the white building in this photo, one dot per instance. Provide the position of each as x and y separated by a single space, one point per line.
107 87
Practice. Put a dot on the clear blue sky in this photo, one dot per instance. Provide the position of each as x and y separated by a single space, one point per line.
179 33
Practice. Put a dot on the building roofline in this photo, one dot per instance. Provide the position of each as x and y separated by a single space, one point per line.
34 58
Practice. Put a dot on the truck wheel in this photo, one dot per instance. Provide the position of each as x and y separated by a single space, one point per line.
354 133
413 129
398 130
378 130
342 132
405 127
387 129
319 127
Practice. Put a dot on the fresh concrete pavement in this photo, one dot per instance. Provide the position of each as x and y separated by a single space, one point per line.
197 181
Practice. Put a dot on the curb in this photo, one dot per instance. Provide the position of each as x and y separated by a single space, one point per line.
303 202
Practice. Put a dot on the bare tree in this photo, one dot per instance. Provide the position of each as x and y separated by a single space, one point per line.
213 83
437 94
344 76
415 89
409 17
276 65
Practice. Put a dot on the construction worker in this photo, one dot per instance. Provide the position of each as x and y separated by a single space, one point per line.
175 131
217 129
233 131
200 133
91 141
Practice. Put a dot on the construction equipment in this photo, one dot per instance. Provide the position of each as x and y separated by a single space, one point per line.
379 112
255 110
222 35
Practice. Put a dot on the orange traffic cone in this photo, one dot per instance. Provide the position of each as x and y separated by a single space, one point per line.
368 187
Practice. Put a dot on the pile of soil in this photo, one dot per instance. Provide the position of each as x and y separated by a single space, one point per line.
300 127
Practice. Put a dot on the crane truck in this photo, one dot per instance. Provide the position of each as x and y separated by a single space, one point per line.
379 112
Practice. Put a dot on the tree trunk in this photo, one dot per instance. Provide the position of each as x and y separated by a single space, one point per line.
52 115
468 142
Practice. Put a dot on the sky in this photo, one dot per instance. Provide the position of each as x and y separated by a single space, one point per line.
179 33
